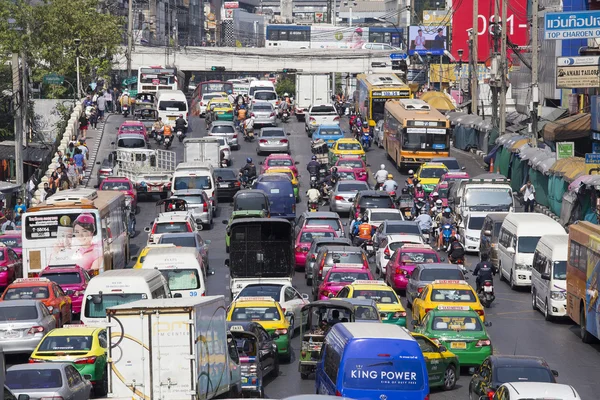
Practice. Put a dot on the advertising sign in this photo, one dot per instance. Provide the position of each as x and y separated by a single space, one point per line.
572 25
577 77
229 5
592 164
583 60
436 17
427 39
334 37
229 13
373 374
565 150
462 20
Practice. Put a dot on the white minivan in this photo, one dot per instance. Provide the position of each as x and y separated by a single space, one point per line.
260 85
182 267
196 175
549 275
170 105
120 286
518 238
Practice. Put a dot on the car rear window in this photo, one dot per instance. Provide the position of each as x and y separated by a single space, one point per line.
279 163
18 313
387 216
265 96
453 295
115 186
33 379
131 143
332 222
376 202
222 129
523 374
429 275
250 203
432 173
308 237
131 128
226 174
63 278
350 163
66 343
418 257
410 229
27 293
379 296
349 175
272 291
172 105
349 146
352 187
272 133
322 109
171 227
347 258
265 107
450 164
329 132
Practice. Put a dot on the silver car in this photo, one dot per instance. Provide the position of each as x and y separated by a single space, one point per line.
424 274
55 380
23 324
263 113
343 195
198 204
273 140
227 130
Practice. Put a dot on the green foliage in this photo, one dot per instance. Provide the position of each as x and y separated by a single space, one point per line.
286 85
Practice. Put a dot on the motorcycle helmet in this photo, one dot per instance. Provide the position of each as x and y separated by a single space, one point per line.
248 160
180 115
404 190
334 170
286 94
448 210
438 204
314 158
390 176
411 172
419 186
365 218
435 194
359 122
382 166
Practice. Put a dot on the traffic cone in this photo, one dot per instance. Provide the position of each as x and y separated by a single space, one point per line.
491 165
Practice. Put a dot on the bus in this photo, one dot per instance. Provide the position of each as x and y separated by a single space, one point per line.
209 87
83 227
583 279
374 90
155 78
332 37
414 133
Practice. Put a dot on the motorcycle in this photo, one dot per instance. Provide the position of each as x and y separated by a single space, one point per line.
365 140
249 135
125 110
285 116
313 206
168 141
486 293
159 138
325 192
447 231
246 181
180 135
313 180
322 171
367 246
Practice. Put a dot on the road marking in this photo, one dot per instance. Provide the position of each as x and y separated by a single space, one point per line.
514 301
514 312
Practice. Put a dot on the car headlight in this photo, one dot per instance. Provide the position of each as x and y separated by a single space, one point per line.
558 295
473 239
521 267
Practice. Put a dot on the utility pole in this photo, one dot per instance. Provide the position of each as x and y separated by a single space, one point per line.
25 102
534 73
495 64
129 36
18 106
473 54
503 69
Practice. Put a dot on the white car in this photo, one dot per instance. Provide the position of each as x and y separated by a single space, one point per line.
378 133
376 216
225 149
470 231
205 99
388 245
285 294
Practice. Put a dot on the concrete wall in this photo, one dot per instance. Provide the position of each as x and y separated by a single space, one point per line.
45 112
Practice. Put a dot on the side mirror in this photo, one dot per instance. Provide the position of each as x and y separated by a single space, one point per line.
488 324
70 292
117 128
313 257
274 336
23 397
133 258
260 163
225 222
442 349
289 133
289 314
147 229
208 241
226 262
112 143
463 168
510 250
545 276
305 296
555 373
177 295
487 233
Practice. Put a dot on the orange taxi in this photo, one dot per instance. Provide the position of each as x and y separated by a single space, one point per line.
53 297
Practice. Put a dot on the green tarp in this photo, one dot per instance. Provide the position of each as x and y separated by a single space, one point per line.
503 161
540 182
516 172
556 188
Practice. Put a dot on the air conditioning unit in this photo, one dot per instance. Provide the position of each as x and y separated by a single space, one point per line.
73 196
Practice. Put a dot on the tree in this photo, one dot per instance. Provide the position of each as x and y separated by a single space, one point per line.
286 85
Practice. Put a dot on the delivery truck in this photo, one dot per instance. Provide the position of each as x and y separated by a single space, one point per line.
205 149
172 349
311 89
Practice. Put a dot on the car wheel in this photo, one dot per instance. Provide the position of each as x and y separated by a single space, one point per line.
308 281
511 282
533 302
547 315
102 388
586 337
450 378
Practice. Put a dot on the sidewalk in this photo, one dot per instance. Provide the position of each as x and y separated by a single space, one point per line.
93 141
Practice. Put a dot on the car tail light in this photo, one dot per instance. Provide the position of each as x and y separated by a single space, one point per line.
201 103
339 198
338 394
420 289
399 314
276 102
189 227
263 140
386 251
283 141
237 183
398 270
294 208
153 229
35 329
205 207
35 360
426 397
235 135
321 267
480 312
203 293
300 249
281 331
490 394
427 310
336 119
85 360
272 114
252 115
483 342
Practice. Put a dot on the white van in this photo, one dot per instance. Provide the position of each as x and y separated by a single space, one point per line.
120 286
196 175
519 236
170 105
549 275
182 267
260 85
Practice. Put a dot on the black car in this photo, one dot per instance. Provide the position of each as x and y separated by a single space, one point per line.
258 354
227 181
496 370
370 199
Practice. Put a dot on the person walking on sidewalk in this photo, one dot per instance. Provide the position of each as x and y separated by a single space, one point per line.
101 106
528 191
108 100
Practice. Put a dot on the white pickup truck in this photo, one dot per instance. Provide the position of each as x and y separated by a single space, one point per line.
320 114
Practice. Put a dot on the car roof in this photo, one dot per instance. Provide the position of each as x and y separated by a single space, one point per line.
277 155
62 268
333 241
406 223
38 366
384 210
347 249
400 237
359 302
183 192
74 330
440 266
316 228
454 313
273 128
132 122
543 390
173 216
320 215
441 159
347 140
433 165
497 217
229 123
20 303
372 193
330 127
177 234
116 179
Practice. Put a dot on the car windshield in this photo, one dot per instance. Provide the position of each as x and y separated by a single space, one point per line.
255 314
23 379
172 105
386 216
11 241
350 163
226 174
272 291
475 223
347 258
265 96
379 296
193 182
191 199
432 274
308 237
26 293
131 143
171 227
457 323
376 202
523 374
347 276
488 197
330 132
450 164
527 244
93 310
18 313
410 229
279 163
427 173
181 241
115 186
222 129
559 270
334 223
452 295
182 279
243 203
348 175
63 278
349 146
66 343
418 257
351 187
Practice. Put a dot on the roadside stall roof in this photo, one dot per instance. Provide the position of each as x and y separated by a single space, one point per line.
517 144
573 127
587 180
439 101
506 137
569 168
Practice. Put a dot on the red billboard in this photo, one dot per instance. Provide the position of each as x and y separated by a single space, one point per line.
462 20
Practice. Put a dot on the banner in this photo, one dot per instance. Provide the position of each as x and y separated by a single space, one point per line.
427 39
565 150
436 17
584 76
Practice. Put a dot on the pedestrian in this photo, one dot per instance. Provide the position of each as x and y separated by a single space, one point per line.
79 160
64 181
47 191
60 158
70 150
72 173
83 125
94 117
7 224
115 99
101 106
83 148
109 101
95 98
528 191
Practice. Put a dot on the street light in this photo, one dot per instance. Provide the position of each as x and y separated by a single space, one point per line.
428 69
77 43
460 54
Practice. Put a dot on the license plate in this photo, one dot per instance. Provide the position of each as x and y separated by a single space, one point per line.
458 345
369 248
223 185
172 118
153 189
331 141
488 289
220 112
11 334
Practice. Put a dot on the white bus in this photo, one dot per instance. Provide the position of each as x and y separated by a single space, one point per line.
81 227
153 79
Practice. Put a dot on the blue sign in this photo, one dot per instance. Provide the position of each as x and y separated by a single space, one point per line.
572 25
398 56
592 158
596 147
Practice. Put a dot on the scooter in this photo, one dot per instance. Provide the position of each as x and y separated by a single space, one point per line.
365 139
313 206
168 141
180 135
486 293
160 137
125 110
367 246
447 231
313 180
285 116
246 181
249 135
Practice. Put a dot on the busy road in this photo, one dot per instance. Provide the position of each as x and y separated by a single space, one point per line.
516 327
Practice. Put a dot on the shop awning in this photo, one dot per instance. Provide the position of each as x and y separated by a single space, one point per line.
438 100
573 127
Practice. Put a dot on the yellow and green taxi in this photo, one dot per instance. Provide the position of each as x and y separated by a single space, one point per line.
269 314
445 293
237 215
390 309
144 252
443 366
346 147
290 173
84 346
459 329
223 109
429 175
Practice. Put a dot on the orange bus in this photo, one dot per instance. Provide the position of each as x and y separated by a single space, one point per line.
414 133
583 279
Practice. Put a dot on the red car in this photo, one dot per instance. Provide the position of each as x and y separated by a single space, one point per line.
347 174
442 190
123 185
133 127
305 238
403 262
72 279
279 161
356 163
11 265
338 277
13 240
454 176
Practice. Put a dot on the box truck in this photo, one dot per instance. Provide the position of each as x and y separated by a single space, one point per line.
311 89
205 149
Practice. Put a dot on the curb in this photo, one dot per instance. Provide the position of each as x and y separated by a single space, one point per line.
96 149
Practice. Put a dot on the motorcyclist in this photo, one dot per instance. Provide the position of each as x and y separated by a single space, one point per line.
445 218
248 171
313 196
484 271
248 126
181 124
241 115
424 221
433 197
390 185
380 176
420 207
125 100
158 125
419 192
167 132
313 166
363 232
358 129
411 178
456 251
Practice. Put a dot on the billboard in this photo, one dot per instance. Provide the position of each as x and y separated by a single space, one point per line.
427 39
462 20
436 17
582 76
572 25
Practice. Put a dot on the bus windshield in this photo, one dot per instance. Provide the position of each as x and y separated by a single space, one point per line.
416 140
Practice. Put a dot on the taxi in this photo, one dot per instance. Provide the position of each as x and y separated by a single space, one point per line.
446 293
43 289
223 110
389 306
84 346
290 173
443 366
237 215
459 329
132 126
278 160
429 175
346 147
268 313
72 279
358 165
144 252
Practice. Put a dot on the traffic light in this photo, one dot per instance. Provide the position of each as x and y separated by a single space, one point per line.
289 71
217 68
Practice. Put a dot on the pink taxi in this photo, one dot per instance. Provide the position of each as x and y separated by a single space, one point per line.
340 276
277 160
72 279
133 127
305 238
403 262
356 163
454 176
